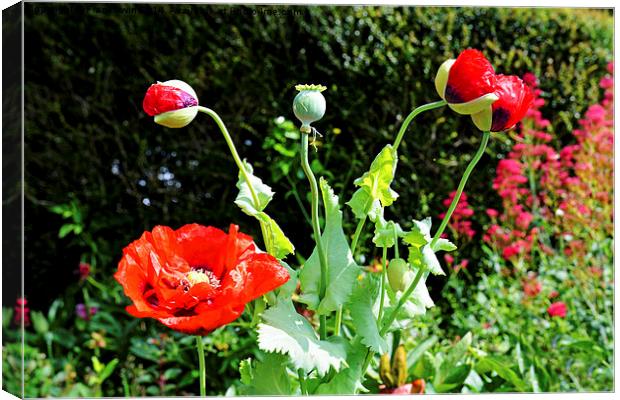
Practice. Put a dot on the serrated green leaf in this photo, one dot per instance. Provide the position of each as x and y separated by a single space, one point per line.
285 331
445 245
361 306
349 380
424 256
378 179
276 241
244 199
420 299
362 205
386 233
265 377
342 269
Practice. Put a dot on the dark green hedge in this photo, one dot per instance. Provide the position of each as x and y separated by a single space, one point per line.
87 139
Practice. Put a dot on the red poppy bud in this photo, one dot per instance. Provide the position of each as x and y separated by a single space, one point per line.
173 103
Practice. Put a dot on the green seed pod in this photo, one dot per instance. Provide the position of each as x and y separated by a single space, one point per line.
399 365
396 271
385 371
309 105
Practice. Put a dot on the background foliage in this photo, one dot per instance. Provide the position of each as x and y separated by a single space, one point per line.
99 171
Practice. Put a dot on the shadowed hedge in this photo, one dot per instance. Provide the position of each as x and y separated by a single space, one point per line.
88 141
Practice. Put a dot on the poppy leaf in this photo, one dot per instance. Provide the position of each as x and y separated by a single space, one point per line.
361 307
386 233
265 377
342 269
276 242
284 331
349 380
377 180
445 245
245 200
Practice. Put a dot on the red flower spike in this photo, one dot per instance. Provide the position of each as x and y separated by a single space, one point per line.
197 278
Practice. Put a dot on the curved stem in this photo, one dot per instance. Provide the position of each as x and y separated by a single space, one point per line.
356 235
459 190
411 116
233 149
314 189
201 364
241 166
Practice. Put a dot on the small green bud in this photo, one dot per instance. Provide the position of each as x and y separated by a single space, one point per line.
396 271
309 105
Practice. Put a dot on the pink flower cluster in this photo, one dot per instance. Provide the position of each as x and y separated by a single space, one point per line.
568 188
460 222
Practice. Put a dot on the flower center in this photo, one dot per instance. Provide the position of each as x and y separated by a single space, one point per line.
199 275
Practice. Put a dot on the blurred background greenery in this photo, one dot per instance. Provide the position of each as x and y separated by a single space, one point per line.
99 171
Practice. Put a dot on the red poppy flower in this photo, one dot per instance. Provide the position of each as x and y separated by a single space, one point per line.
470 77
557 309
173 103
515 98
197 278
470 86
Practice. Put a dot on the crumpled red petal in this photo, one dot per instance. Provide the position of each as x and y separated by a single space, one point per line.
471 76
196 278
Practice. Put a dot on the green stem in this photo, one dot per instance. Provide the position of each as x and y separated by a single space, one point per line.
356 235
383 276
314 189
403 299
459 190
338 321
411 116
201 365
302 382
396 254
242 170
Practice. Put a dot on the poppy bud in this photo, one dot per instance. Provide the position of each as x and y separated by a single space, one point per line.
396 272
309 105
173 103
385 372
399 365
